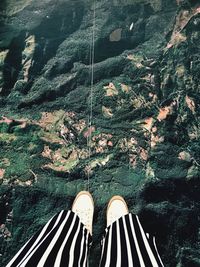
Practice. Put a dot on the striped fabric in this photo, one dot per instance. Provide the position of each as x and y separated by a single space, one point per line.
63 241
125 244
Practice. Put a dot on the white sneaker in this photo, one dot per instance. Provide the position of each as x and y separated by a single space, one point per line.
83 206
117 208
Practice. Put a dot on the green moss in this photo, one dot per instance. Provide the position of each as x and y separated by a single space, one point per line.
26 141
4 127
12 7
7 138
176 172
19 167
128 176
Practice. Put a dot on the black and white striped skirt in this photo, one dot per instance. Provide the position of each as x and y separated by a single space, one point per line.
65 242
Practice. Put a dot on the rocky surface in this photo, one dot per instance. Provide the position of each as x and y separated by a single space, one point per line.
144 137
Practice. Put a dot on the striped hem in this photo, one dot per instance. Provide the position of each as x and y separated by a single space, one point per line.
63 241
126 244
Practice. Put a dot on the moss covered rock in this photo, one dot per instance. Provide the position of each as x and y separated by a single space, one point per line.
143 141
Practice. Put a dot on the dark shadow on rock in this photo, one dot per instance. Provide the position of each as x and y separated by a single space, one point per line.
12 63
53 30
171 211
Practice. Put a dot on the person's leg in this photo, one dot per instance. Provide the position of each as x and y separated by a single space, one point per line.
63 241
125 242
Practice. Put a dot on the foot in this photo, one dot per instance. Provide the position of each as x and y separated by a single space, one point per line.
83 206
117 208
